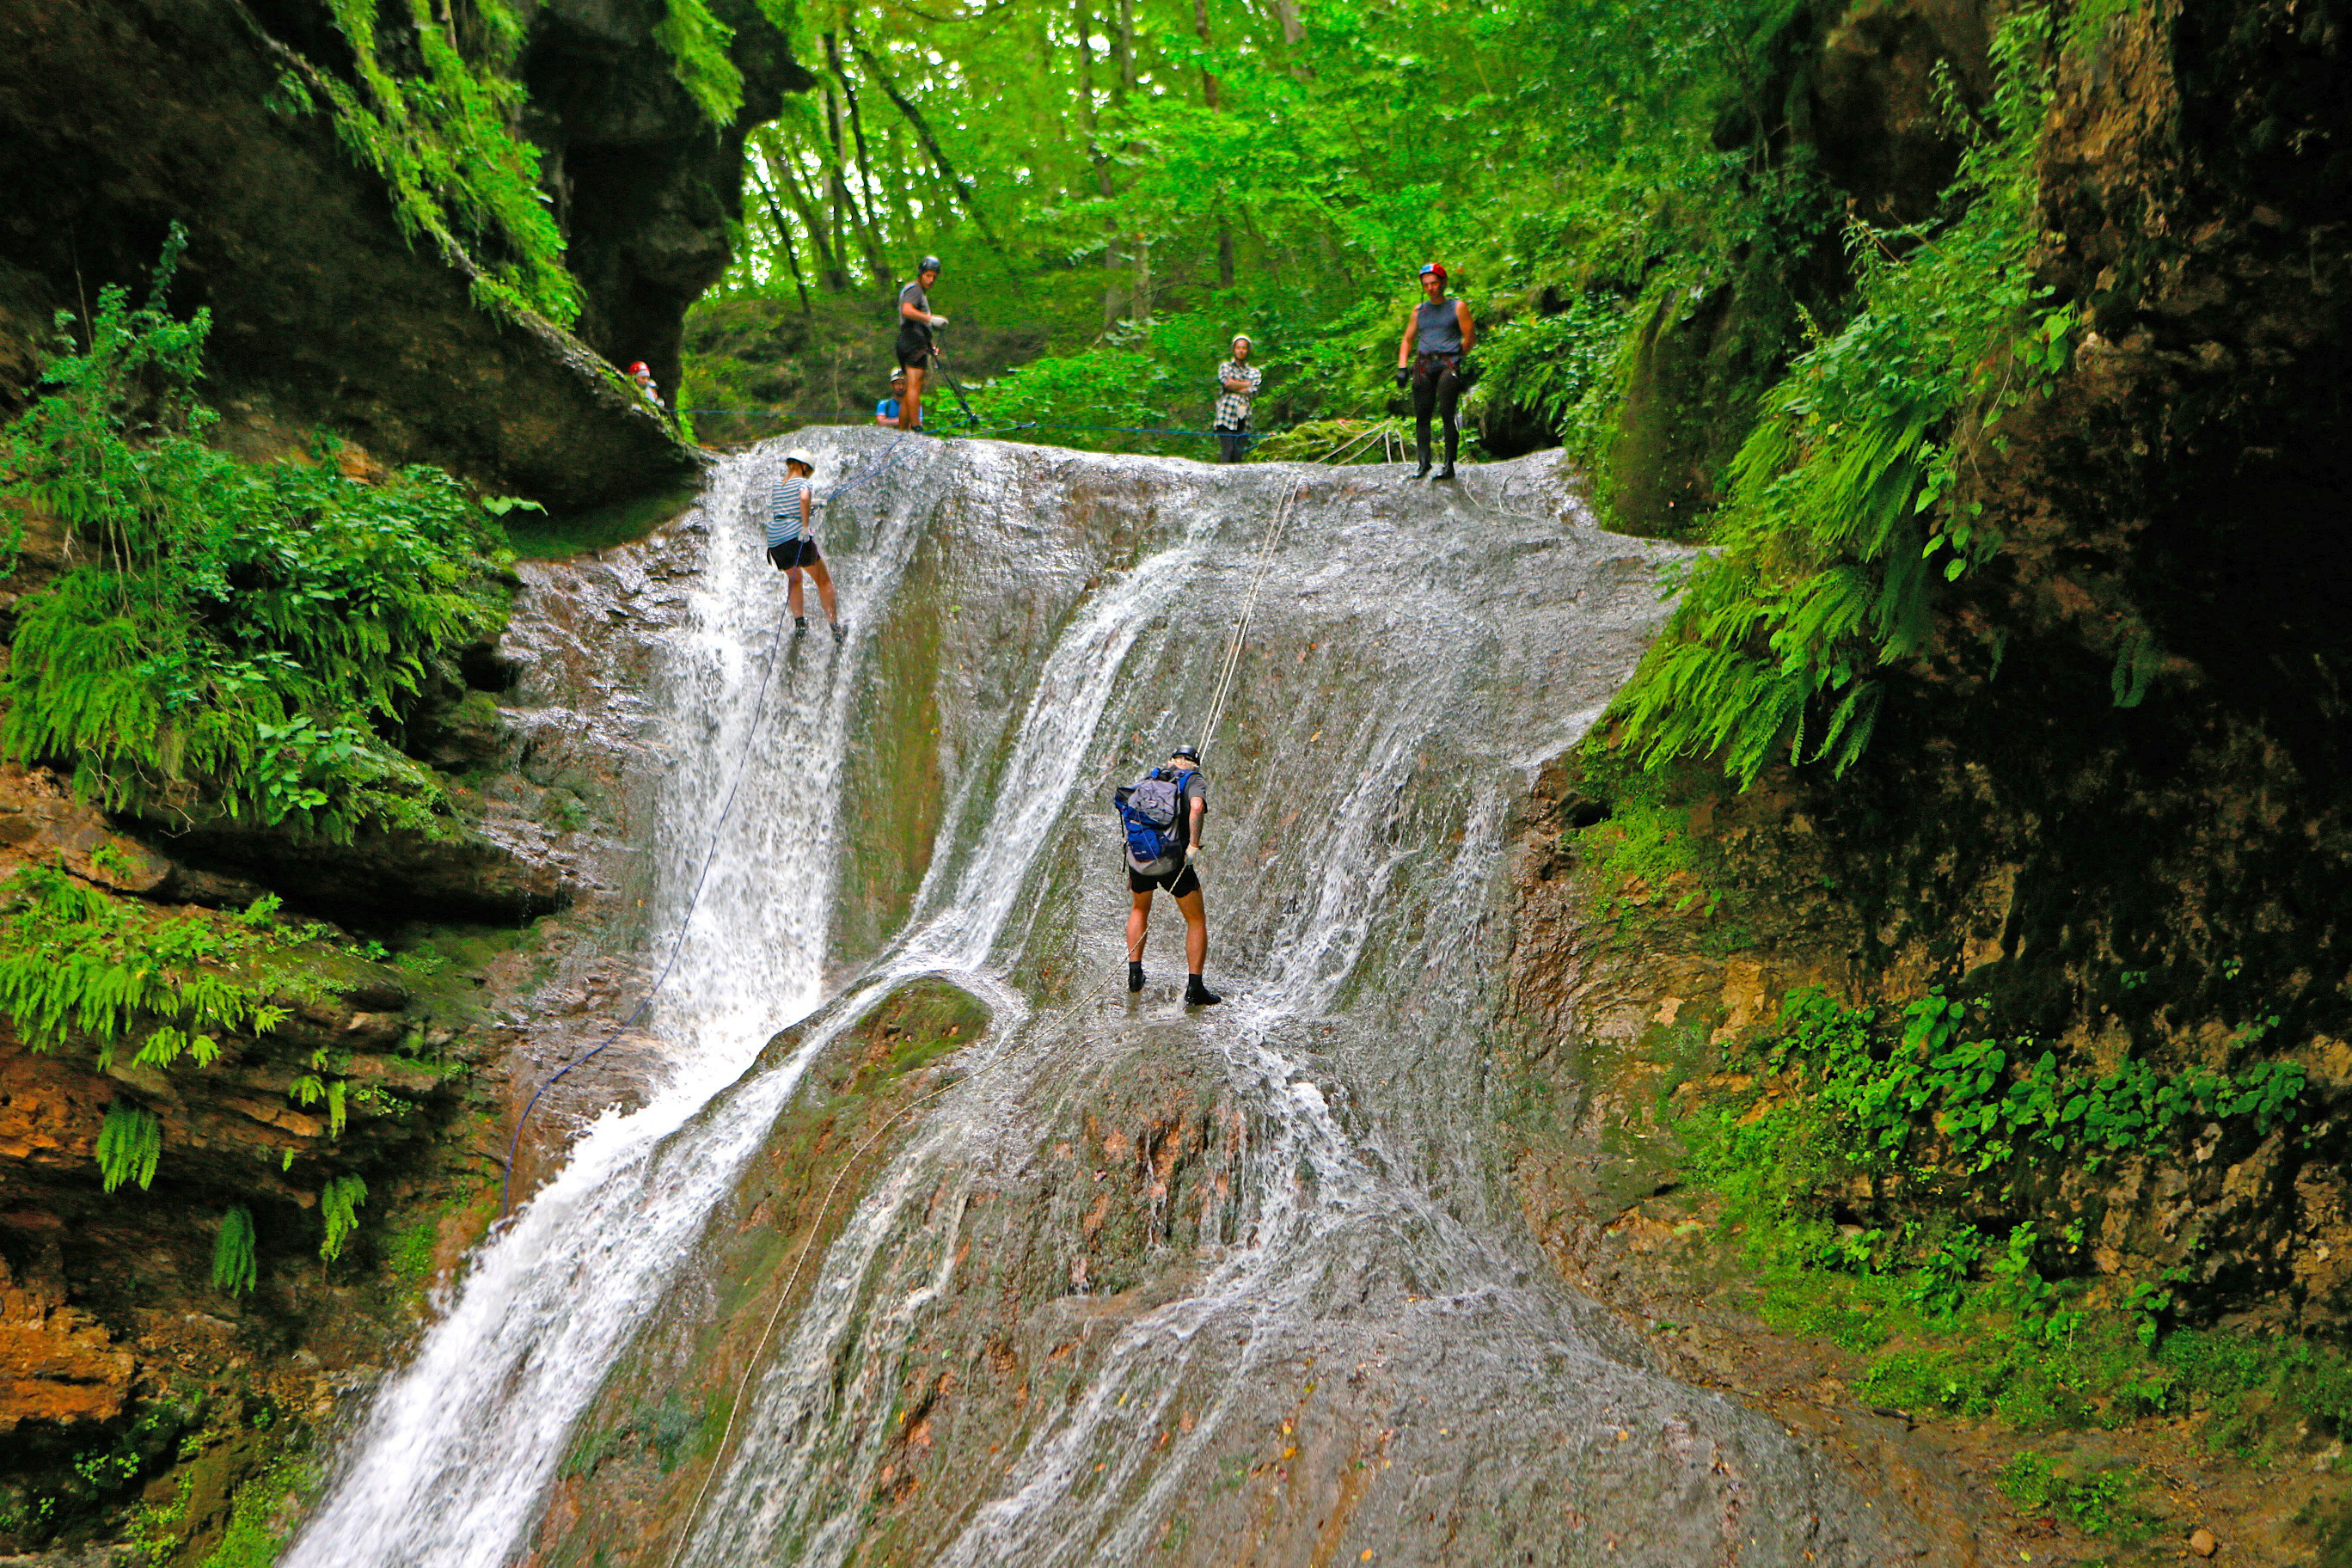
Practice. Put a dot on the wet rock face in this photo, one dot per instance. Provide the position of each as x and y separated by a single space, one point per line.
118 117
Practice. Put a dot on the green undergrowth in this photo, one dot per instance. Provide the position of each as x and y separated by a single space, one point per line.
240 640
264 1511
1646 866
443 138
153 992
1848 506
1890 1180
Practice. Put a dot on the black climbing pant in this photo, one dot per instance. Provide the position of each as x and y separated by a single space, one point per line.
1436 389
1232 442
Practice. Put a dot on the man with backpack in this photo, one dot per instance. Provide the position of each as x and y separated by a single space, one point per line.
1162 815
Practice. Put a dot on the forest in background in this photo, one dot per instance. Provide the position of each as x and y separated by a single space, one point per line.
1140 179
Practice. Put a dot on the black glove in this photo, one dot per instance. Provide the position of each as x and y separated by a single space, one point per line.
1402 375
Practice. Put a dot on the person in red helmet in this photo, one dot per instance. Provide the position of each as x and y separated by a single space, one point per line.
643 376
1437 332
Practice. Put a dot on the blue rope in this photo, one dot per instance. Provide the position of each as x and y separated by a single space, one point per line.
1026 425
759 712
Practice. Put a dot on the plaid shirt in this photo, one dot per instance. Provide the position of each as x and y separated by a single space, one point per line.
1233 407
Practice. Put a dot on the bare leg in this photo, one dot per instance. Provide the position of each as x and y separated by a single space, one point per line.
793 590
1137 917
1196 929
910 407
823 589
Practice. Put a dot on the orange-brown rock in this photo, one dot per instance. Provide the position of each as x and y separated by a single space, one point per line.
56 1365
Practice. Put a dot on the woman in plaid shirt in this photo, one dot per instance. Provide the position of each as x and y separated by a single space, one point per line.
1237 382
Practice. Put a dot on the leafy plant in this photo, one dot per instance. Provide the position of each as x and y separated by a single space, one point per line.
1848 508
443 140
130 1146
339 1207
236 1266
244 632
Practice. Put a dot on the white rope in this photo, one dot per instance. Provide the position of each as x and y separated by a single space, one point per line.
1232 658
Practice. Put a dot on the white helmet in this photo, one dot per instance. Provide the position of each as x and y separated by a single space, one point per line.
800 454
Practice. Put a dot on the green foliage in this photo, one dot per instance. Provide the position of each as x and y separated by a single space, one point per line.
1109 171
1881 1177
339 1207
1933 1106
1848 510
1645 864
130 1144
442 140
2095 1501
235 1267
245 631
262 1515
697 42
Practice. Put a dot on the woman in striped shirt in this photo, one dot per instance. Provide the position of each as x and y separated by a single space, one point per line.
792 539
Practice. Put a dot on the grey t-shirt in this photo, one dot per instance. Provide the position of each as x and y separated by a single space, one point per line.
1196 787
912 294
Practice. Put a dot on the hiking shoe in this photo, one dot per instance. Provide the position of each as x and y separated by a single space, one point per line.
1422 472
800 628
840 633
1135 978
1199 995
1447 472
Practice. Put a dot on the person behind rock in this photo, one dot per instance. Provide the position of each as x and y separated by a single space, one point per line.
885 412
1237 383
916 349
791 539
1163 813
1437 332
643 376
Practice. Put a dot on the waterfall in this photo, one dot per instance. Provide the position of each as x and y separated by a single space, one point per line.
1135 1278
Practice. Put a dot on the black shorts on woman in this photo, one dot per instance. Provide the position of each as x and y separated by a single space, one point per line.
1181 881
791 553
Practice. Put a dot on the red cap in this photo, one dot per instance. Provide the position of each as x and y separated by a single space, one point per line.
639 368
1436 267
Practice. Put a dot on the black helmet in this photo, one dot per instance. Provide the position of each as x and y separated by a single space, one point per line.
1189 753
929 264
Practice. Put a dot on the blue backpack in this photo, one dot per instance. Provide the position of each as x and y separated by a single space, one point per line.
1151 810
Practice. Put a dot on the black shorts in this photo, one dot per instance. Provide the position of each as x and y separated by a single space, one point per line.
800 552
1180 881
914 349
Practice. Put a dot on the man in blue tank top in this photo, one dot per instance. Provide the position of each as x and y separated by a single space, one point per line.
1437 332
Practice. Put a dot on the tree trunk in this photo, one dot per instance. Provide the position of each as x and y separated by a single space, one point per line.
776 214
1113 297
1292 35
1209 102
957 184
865 162
837 277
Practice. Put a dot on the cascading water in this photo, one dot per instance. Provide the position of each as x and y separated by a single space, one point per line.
1242 1282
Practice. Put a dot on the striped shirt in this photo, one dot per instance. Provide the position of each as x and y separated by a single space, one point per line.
784 509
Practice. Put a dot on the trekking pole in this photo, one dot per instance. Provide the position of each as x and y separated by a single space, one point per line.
956 387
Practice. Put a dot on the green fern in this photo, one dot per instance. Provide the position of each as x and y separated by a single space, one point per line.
235 1267
1843 523
338 1205
247 634
130 1146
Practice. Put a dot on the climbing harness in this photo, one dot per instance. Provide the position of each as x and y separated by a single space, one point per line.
1233 657
759 712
